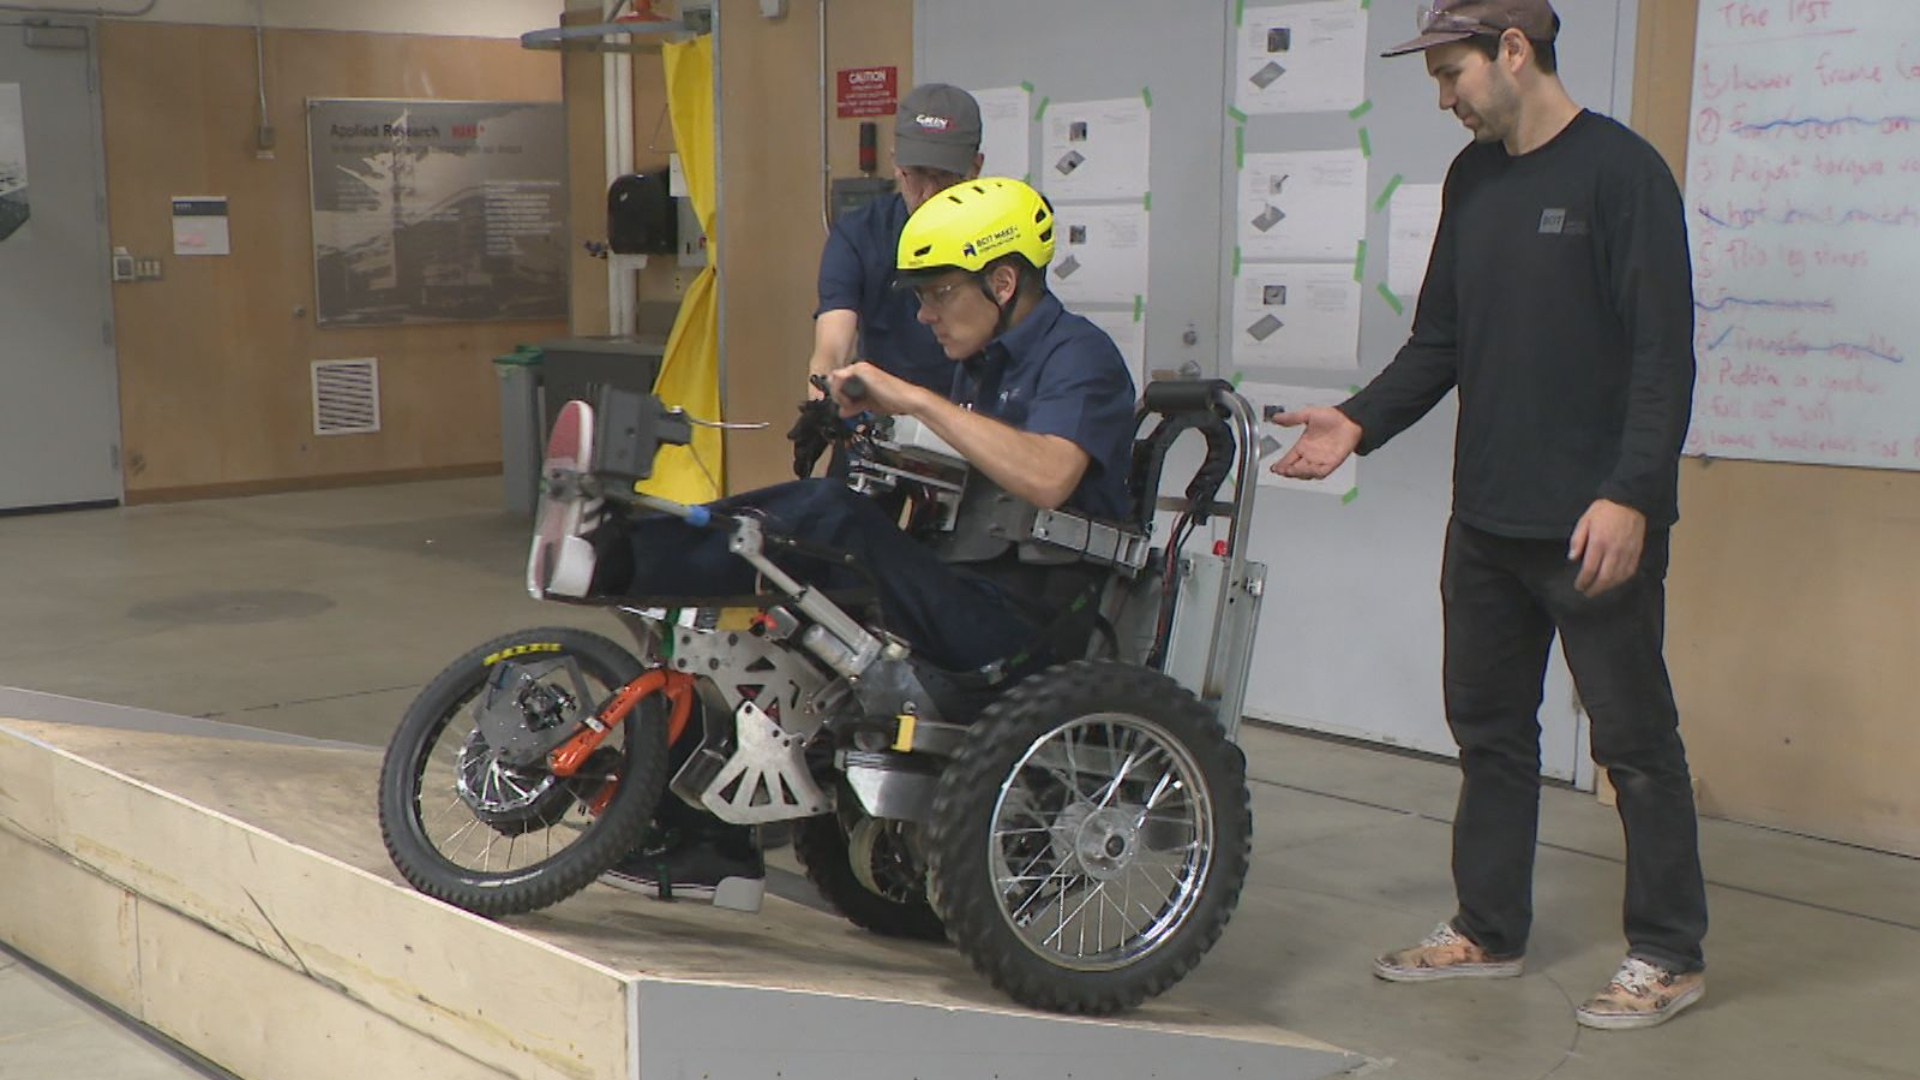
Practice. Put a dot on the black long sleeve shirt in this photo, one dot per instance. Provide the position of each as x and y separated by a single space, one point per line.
1559 300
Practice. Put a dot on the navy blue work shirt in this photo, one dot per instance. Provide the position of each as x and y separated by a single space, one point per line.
856 274
1056 373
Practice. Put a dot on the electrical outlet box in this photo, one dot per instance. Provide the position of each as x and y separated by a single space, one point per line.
147 269
123 265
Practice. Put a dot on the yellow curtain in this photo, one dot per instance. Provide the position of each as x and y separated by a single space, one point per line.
690 373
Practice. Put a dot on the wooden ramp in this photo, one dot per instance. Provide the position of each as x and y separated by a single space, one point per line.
233 894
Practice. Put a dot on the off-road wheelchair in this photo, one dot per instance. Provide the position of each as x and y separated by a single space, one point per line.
1081 832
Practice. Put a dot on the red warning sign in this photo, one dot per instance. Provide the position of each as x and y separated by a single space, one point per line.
873 91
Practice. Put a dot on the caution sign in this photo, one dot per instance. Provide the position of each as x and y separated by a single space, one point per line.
871 91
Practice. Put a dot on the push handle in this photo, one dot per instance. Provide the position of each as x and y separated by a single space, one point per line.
853 389
1169 396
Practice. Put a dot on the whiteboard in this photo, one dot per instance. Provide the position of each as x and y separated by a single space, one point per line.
1803 203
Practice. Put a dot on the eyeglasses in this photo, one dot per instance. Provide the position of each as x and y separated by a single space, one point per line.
939 296
1432 20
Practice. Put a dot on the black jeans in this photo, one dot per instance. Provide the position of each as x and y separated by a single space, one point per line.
1504 599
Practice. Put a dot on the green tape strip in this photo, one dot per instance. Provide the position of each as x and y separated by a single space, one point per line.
1352 493
1393 185
1236 260
1042 110
1352 389
1238 378
1146 94
1392 300
1361 109
1365 4
1240 147
1366 144
1239 11
1360 262
1148 202
1237 115
1139 307
1027 86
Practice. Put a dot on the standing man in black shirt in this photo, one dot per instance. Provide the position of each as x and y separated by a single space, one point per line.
1559 302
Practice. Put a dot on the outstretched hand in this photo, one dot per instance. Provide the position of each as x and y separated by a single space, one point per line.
1330 437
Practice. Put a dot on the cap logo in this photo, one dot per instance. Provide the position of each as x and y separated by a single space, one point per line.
934 123
967 251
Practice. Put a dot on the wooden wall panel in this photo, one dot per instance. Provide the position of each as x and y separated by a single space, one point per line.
1794 602
771 200
214 358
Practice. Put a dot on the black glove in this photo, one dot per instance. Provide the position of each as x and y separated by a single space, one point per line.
818 427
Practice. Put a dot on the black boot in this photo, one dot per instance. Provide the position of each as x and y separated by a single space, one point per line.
694 858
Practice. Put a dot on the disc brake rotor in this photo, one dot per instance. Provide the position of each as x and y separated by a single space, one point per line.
490 786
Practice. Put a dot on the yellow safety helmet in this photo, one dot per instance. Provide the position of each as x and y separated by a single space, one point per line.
975 222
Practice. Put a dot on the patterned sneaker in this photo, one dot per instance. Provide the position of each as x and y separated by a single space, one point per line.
1640 996
1444 954
561 561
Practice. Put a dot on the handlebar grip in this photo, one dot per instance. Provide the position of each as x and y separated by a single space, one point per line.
1169 396
854 388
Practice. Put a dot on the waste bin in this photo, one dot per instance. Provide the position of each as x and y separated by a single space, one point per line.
571 367
521 428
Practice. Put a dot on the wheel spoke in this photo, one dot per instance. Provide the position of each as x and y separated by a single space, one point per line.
1065 918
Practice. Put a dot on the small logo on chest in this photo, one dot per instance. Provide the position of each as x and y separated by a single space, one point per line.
1562 222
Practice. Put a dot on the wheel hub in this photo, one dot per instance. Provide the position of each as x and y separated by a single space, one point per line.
1102 842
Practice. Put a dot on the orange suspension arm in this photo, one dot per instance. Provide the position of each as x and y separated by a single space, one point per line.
566 759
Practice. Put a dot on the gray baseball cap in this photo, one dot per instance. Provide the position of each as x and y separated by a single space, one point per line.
1445 21
937 127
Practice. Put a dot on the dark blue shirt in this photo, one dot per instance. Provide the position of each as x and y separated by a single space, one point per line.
856 274
1058 374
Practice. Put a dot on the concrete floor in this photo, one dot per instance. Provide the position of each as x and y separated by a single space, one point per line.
47 1033
320 614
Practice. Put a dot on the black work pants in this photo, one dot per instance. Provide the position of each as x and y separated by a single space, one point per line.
1504 600
957 619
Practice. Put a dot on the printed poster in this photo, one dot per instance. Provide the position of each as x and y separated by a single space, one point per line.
13 162
1299 315
430 211
1412 226
1006 133
1302 58
1095 150
1309 205
1099 254
200 225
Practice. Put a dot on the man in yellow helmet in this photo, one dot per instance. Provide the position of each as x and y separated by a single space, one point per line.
1044 409
1043 404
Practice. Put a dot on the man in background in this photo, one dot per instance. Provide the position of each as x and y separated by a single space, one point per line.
936 144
